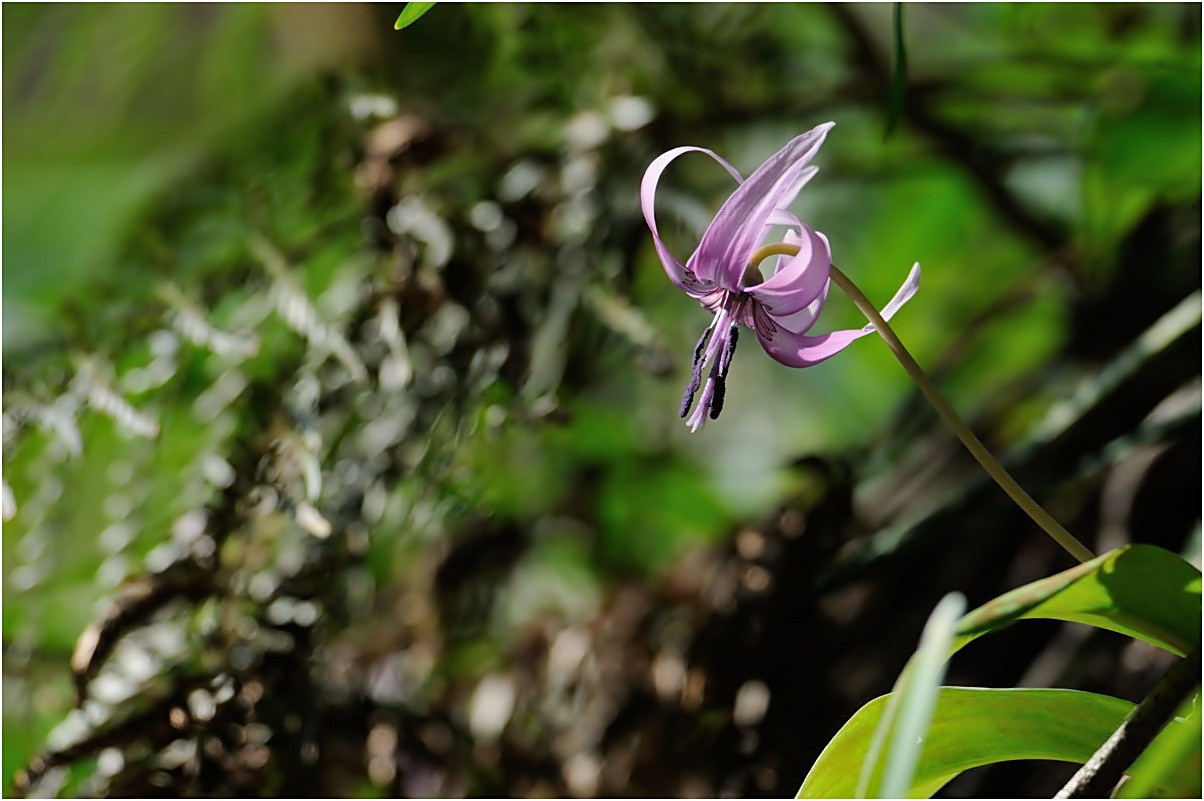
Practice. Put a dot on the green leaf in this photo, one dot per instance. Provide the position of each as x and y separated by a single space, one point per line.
410 14
898 77
1140 590
971 727
1170 767
910 709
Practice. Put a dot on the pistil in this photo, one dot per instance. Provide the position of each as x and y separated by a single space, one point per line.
765 251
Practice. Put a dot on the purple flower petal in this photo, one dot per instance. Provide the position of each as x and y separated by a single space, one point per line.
801 321
783 217
737 228
791 238
905 293
699 417
676 271
712 300
795 285
798 350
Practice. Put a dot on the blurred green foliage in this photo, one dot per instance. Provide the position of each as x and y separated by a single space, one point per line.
512 475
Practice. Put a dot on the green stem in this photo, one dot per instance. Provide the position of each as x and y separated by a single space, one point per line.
979 451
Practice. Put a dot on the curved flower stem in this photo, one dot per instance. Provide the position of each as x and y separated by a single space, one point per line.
979 451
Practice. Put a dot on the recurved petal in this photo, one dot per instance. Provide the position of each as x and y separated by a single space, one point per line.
799 350
800 280
783 217
790 238
792 224
801 321
738 227
905 293
674 268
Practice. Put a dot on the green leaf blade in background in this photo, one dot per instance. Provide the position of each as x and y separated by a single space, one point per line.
1140 590
888 773
410 14
972 727
898 76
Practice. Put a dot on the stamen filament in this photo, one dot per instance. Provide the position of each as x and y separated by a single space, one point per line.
701 359
716 405
719 371
729 352
687 398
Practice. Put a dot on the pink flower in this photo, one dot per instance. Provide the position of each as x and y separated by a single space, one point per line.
779 309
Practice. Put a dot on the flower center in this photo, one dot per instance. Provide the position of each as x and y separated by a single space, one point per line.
752 276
